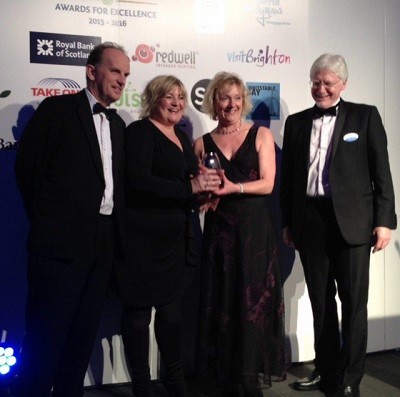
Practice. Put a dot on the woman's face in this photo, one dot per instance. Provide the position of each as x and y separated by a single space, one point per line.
229 104
171 107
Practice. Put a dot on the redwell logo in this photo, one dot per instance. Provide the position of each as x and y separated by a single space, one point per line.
147 54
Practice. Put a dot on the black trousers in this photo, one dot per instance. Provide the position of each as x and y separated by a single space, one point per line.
64 306
331 265
135 335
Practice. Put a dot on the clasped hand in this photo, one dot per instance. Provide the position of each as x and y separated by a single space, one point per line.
206 181
217 185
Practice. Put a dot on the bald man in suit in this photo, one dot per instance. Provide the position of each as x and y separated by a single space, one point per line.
69 169
337 199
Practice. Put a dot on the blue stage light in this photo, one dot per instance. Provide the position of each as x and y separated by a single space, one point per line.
8 361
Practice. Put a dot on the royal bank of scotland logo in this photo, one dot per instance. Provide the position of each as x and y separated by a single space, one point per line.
61 49
45 47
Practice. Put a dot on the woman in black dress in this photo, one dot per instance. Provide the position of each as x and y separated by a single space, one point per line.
162 176
241 336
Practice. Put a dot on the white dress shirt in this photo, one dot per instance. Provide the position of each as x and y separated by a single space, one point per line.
320 156
102 125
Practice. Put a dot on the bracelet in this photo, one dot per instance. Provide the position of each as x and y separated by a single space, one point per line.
241 188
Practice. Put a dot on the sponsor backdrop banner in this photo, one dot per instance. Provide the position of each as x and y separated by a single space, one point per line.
45 44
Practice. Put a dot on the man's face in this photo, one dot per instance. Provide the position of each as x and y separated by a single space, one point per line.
326 88
107 80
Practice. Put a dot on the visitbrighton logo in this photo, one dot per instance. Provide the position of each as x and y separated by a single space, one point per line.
262 57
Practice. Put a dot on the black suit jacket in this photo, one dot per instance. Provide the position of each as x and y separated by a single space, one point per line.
60 175
359 175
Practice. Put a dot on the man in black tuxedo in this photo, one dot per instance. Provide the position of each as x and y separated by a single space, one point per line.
336 198
69 169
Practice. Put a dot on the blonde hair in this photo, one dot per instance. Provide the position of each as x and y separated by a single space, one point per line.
219 81
157 88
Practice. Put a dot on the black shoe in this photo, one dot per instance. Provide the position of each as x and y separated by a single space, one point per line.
310 382
348 391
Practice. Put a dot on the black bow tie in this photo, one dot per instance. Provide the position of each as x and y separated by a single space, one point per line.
99 108
319 112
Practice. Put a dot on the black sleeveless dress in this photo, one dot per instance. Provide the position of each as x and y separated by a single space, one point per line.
241 334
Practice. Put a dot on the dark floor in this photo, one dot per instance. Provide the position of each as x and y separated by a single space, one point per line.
382 379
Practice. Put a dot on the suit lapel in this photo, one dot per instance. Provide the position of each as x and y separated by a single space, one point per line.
116 131
86 117
307 137
337 132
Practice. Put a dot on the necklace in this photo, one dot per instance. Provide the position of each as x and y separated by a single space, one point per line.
219 131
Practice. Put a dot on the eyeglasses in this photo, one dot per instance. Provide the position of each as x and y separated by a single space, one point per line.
317 84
